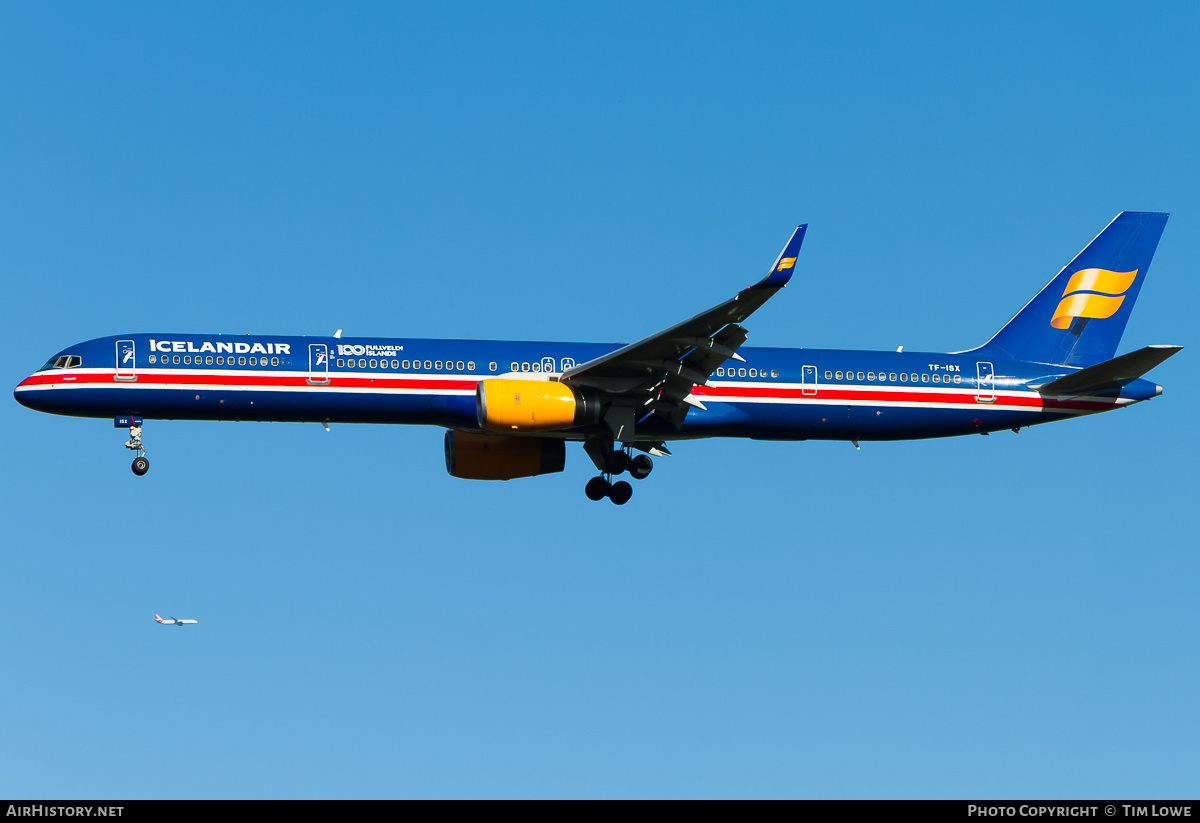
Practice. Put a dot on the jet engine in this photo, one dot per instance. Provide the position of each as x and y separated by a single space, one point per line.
532 406
495 457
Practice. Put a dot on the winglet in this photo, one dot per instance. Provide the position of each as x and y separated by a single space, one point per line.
785 263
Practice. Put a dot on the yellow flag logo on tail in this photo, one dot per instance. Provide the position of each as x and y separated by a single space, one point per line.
1077 302
786 263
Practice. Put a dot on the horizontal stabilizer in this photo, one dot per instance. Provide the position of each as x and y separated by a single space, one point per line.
1109 375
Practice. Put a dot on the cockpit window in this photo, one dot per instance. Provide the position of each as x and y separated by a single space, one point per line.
66 361
63 361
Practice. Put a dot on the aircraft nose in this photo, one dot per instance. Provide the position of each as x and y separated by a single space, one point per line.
26 395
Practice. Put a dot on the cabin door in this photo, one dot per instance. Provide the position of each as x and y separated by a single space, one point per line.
985 383
808 380
318 364
126 360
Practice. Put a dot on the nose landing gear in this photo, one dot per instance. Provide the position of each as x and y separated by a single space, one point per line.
140 464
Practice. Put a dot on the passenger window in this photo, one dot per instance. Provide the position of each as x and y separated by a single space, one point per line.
428 365
774 373
492 366
254 362
407 364
892 377
341 363
220 360
904 378
524 367
175 359
374 363
537 366
828 375
395 364
470 365
187 360
515 366
913 378
937 379
871 376
459 365
720 371
362 362
241 361
153 359
860 376
924 378
741 372
208 360
837 375
350 363
957 379
274 361
754 372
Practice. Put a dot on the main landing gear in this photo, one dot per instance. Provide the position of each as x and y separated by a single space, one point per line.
614 463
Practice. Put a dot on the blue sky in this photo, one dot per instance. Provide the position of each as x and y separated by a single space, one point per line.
1009 616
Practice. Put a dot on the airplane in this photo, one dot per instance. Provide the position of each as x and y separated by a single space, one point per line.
171 621
509 407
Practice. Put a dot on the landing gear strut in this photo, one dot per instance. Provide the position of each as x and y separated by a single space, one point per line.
614 462
140 464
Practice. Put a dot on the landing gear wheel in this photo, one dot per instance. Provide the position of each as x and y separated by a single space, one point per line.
596 488
140 466
620 492
618 462
640 467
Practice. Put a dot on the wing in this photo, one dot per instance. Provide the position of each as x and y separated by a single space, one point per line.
657 373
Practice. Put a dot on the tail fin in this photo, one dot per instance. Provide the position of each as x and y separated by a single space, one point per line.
1079 317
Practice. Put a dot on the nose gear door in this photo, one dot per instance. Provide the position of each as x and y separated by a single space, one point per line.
126 361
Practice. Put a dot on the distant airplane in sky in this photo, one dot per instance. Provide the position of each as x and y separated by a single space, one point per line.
509 407
171 621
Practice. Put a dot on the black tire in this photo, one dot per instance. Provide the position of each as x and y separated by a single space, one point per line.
618 462
620 492
596 488
140 466
640 467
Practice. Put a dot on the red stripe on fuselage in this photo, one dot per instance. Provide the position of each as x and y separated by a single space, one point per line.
824 393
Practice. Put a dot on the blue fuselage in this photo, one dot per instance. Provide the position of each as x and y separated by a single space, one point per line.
784 394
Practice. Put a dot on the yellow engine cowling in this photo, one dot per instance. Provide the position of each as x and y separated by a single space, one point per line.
532 406
495 457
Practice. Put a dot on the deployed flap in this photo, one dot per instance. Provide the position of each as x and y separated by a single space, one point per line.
665 366
1109 375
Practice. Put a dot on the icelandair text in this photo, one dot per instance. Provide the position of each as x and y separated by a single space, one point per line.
188 347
